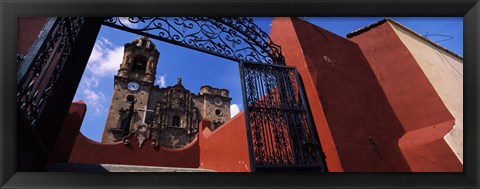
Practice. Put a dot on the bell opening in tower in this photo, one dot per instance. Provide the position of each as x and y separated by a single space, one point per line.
139 64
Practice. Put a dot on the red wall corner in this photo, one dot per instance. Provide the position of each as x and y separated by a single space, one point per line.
283 33
427 151
71 127
414 100
226 148
347 102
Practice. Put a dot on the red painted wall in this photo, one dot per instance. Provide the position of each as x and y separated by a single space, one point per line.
71 127
283 33
414 100
352 109
88 151
28 30
225 149
345 98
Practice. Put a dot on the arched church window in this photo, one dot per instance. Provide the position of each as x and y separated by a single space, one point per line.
139 64
176 121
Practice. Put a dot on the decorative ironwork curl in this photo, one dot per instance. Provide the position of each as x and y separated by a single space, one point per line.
282 135
235 38
40 68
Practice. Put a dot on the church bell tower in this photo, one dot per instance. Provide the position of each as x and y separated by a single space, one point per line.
132 86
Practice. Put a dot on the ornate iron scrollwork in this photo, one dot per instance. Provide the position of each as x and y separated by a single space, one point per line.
235 38
282 134
39 69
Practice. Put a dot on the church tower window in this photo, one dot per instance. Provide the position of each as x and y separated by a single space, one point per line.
139 64
130 98
218 112
176 121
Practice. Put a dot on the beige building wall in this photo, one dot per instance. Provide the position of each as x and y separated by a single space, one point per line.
445 72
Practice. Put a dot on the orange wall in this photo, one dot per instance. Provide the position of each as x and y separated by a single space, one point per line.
350 110
225 149
283 33
87 151
65 141
414 100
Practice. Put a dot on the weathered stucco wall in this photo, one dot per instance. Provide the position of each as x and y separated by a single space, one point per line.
445 73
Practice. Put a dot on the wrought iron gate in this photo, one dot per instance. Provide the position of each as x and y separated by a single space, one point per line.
280 130
39 69
279 127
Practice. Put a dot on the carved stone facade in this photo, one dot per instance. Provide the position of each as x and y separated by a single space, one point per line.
169 116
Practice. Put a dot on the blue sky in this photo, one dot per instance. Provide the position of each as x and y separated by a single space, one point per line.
198 69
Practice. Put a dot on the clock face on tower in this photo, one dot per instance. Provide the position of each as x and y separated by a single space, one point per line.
133 86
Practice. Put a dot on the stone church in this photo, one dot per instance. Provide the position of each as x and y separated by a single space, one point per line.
169 116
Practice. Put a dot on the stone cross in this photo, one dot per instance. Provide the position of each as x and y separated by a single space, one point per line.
145 110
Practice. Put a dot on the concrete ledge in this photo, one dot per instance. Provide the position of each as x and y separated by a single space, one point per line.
77 167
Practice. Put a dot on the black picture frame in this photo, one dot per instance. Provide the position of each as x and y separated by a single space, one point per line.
11 9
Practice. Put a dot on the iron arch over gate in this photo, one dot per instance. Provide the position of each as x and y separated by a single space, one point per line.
280 129
233 38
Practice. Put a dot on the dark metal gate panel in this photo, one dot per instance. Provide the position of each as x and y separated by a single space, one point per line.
280 130
40 68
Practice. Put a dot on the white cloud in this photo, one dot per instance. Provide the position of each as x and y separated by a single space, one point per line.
89 93
103 60
97 52
161 80
234 110
106 41
89 82
124 21
94 99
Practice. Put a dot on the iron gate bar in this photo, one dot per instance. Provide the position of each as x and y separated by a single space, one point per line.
313 129
279 127
247 118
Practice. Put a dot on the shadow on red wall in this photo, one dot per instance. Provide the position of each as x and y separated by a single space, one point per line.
346 100
358 124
